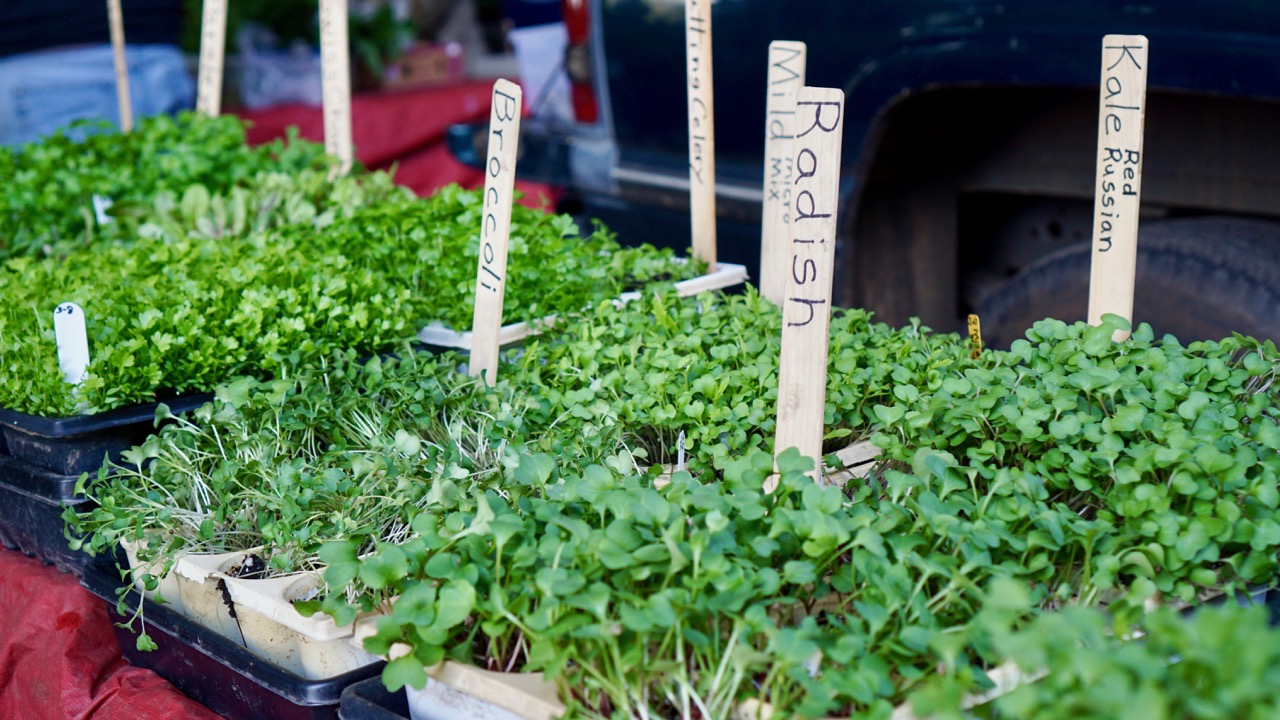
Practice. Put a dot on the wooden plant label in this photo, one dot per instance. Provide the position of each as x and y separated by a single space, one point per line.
702 135
806 310
495 229
1117 195
335 64
213 39
975 337
786 77
115 21
73 342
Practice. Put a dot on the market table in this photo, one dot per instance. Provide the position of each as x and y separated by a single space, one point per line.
59 657
404 129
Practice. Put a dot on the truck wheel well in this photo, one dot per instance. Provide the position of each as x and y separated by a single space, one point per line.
958 180
1198 278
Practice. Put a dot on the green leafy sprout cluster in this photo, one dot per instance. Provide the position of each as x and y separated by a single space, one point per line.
1219 662
1070 472
234 272
662 367
47 205
1171 448
1050 509
334 448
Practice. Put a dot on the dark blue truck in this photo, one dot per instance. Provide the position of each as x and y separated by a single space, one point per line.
970 139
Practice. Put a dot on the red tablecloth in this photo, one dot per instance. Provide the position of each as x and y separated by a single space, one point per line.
59 657
405 129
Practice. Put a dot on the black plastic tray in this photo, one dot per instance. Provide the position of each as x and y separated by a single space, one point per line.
31 505
371 700
216 672
1268 597
74 445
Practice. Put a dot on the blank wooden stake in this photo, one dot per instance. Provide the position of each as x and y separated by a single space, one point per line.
115 20
810 267
1117 195
213 40
335 63
786 77
702 135
495 229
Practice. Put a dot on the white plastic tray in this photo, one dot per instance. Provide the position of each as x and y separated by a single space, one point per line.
726 275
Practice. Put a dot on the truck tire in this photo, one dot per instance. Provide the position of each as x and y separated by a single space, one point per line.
1197 278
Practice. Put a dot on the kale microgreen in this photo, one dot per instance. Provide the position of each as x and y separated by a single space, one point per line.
1221 662
1171 446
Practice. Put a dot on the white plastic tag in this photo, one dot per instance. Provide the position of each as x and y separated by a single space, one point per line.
73 342
100 207
680 458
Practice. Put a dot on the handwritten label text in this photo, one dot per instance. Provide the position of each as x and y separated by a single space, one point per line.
335 71
495 228
1117 194
786 77
702 136
806 311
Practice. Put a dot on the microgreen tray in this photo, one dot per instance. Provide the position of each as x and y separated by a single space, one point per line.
74 445
219 673
31 505
436 335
